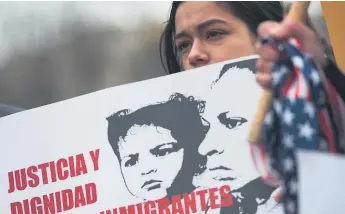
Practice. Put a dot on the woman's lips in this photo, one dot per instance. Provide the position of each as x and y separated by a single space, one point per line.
151 185
222 173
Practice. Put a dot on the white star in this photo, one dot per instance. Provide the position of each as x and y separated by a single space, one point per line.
291 98
284 69
293 186
309 109
276 76
290 207
297 61
268 119
288 164
315 77
277 106
288 141
306 131
288 117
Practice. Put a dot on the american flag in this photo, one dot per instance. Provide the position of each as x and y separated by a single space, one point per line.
306 113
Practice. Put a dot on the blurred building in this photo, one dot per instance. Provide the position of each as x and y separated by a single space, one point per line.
75 57
51 51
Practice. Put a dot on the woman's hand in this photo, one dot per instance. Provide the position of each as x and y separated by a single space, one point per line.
283 31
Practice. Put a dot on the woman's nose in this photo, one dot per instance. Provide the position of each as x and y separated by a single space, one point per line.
147 172
148 164
198 56
211 145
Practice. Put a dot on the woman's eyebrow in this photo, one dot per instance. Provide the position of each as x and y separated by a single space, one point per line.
210 22
163 144
180 35
201 27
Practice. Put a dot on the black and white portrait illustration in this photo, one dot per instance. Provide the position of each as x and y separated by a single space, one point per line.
183 144
225 145
157 146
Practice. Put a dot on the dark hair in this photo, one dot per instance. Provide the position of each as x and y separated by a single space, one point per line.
250 12
250 64
182 116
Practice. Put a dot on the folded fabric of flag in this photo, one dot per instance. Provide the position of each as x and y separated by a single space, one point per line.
306 113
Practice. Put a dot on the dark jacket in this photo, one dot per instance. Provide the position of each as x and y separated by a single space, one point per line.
336 77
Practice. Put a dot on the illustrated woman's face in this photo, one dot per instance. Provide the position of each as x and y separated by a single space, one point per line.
226 147
150 160
208 33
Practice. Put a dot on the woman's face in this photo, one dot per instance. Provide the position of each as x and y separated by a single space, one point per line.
208 33
150 160
226 147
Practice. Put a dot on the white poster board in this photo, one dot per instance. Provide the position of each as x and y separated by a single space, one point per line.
325 173
174 144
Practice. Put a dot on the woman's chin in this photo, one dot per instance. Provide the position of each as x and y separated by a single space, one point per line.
233 184
154 195
211 182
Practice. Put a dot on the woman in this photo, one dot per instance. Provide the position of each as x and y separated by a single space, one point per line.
157 146
225 145
203 33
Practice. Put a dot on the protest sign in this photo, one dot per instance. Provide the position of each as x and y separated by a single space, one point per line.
174 144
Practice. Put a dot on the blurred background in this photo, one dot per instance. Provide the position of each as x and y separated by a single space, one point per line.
51 51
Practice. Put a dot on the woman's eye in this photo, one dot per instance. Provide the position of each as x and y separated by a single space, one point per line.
231 122
235 122
131 162
183 46
214 34
165 150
